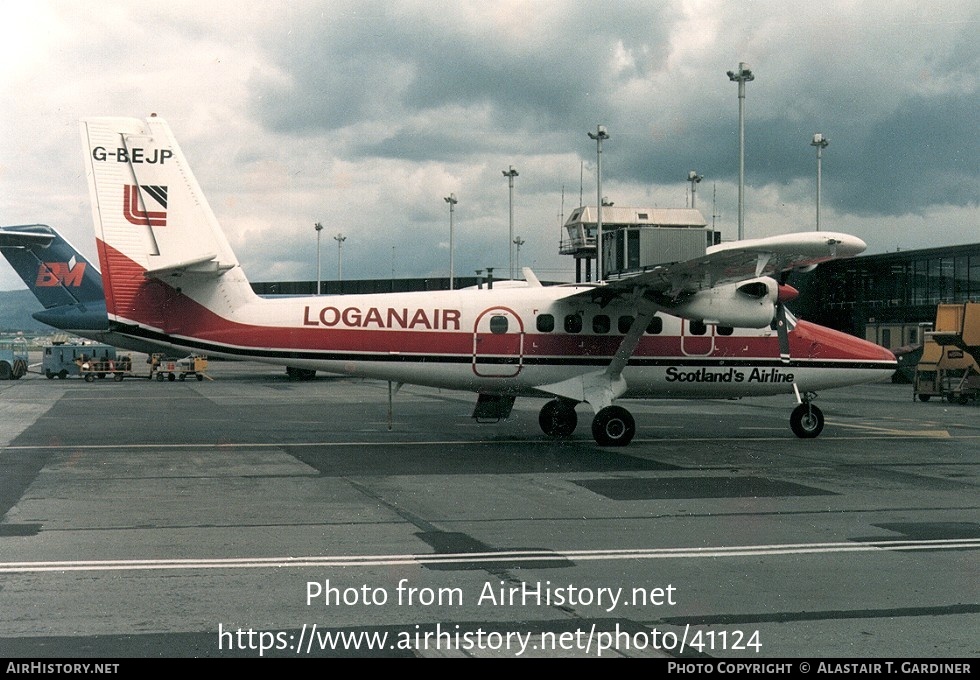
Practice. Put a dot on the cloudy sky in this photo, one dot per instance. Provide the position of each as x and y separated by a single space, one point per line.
365 115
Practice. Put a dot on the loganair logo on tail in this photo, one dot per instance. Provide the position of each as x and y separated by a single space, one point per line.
131 202
69 273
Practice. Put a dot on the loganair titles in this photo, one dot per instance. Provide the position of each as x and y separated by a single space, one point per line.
380 317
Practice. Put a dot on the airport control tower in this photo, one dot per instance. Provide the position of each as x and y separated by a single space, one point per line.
635 238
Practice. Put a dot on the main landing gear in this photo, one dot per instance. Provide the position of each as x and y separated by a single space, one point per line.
611 426
558 418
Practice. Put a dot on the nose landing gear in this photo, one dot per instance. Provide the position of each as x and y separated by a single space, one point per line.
806 420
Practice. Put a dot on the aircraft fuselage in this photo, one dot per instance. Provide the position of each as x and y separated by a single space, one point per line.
513 340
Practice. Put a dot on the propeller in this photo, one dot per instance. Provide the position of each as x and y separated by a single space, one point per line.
784 293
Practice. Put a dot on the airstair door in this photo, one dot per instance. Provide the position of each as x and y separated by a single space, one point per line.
498 343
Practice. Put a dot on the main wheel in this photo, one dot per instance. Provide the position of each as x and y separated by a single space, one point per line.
613 426
6 372
806 421
558 418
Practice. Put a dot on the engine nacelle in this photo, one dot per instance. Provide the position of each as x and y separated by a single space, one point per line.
747 304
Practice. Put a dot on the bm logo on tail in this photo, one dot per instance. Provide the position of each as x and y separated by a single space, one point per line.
69 274
131 205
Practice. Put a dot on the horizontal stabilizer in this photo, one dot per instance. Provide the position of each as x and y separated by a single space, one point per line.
10 237
207 265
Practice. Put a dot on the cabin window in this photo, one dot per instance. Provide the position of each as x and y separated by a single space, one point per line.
624 324
725 330
573 323
600 324
498 324
545 323
698 328
656 326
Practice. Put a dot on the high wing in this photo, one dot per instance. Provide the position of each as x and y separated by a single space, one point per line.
734 263
730 285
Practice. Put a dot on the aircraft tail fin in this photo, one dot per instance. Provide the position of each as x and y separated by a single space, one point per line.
154 226
54 270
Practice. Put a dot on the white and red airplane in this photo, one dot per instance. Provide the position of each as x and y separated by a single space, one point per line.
703 328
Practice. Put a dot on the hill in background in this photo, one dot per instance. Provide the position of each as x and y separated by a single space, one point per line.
16 307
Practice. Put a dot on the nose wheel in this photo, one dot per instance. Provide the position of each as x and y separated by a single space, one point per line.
806 421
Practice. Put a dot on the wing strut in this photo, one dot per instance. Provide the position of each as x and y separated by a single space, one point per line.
599 388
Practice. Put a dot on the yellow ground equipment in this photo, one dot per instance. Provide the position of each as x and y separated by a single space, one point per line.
949 366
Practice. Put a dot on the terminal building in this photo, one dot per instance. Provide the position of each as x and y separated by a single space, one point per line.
889 299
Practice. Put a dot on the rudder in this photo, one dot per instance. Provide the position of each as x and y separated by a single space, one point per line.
153 222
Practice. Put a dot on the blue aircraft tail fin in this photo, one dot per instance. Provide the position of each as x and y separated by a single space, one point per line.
51 267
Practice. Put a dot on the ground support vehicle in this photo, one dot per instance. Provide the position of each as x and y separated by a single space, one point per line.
61 360
118 368
168 368
13 363
948 367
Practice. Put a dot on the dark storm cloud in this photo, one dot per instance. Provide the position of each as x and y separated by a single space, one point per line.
419 86
385 64
925 152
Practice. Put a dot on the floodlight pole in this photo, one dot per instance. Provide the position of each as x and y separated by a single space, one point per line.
518 242
340 238
599 135
694 178
319 228
510 175
452 201
821 143
742 76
